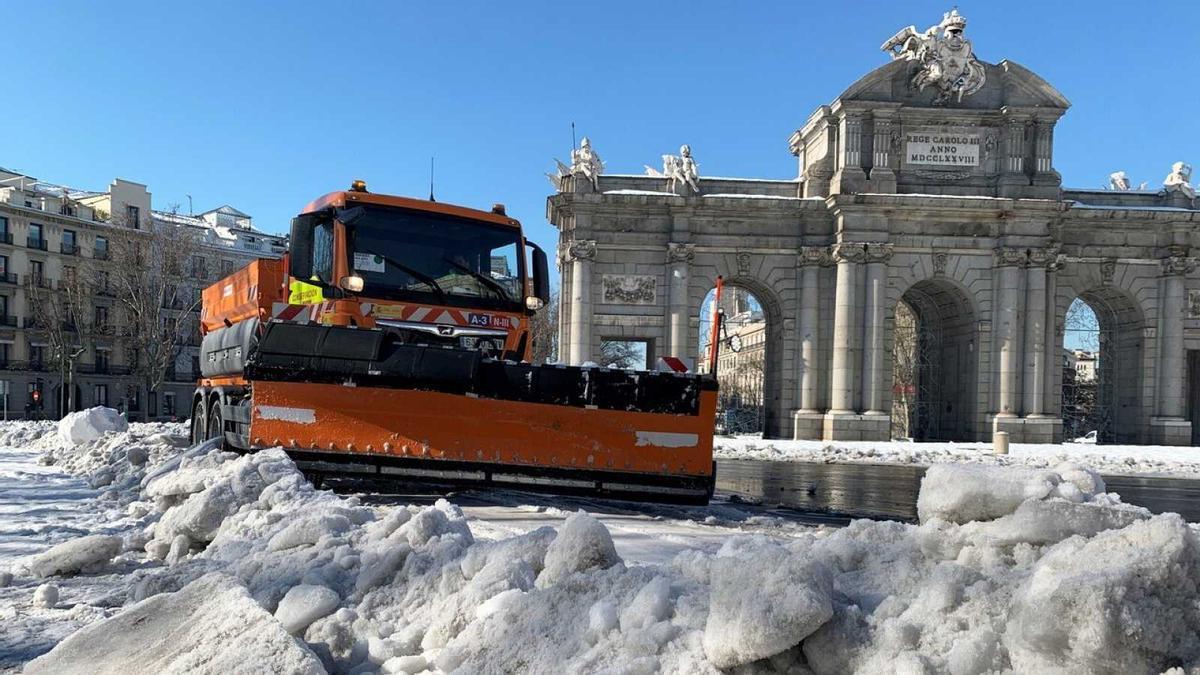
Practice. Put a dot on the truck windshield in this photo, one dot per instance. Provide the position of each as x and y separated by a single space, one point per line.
436 258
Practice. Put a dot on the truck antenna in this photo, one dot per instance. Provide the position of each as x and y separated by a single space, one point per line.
431 180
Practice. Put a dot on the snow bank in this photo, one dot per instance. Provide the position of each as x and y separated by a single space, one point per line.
88 425
210 626
1108 459
1010 570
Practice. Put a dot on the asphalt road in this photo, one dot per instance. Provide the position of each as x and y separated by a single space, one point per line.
890 491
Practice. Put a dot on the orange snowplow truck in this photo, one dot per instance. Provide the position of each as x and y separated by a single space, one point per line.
395 338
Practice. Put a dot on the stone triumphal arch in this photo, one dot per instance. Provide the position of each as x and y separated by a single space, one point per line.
927 187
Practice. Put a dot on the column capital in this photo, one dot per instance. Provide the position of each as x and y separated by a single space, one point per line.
813 255
684 253
1177 265
849 252
581 249
1008 257
878 252
1048 257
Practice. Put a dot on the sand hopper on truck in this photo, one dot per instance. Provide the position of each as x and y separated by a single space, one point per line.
394 339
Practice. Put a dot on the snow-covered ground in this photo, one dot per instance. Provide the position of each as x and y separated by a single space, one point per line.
1110 459
195 560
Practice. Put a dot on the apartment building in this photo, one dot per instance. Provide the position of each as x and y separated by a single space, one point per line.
46 231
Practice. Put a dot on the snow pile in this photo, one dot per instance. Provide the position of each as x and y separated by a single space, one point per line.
1010 569
88 425
211 626
20 433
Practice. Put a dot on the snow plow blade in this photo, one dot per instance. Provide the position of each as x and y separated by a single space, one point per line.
349 400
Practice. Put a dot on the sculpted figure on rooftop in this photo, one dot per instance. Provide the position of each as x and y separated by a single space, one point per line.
946 60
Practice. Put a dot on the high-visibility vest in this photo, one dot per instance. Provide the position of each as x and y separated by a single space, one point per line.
304 293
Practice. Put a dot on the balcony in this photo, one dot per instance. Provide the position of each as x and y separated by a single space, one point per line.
9 321
36 242
8 278
69 249
5 237
101 369
38 281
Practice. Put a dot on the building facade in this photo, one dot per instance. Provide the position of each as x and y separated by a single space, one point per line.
48 230
929 182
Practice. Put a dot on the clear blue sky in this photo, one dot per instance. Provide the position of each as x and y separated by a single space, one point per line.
266 105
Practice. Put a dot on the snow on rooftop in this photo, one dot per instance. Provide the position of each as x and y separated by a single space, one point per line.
1118 207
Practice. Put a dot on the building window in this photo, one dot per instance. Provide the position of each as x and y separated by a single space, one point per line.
102 281
69 242
37 356
35 239
226 267
101 361
199 267
100 394
169 403
101 318
4 356
101 248
133 215
3 309
5 235
37 271
3 266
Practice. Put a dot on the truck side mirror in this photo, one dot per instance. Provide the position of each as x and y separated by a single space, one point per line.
300 262
541 274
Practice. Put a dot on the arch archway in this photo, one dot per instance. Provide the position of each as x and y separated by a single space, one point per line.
1102 374
749 365
935 357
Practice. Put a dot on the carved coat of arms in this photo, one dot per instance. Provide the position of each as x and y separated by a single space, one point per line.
945 59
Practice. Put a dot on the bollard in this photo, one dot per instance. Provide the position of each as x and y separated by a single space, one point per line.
1000 442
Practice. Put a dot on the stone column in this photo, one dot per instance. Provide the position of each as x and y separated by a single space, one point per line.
1170 336
581 253
1035 334
1044 146
679 258
1008 316
808 420
811 258
849 176
1052 344
877 256
847 256
1014 162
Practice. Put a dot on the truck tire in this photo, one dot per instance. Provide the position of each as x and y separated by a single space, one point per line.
199 428
216 426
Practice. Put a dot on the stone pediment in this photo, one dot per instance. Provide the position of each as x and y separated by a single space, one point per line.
1008 84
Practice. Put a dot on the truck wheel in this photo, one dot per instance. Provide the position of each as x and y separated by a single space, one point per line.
199 430
216 426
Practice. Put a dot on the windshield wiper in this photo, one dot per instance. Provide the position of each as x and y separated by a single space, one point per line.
488 281
416 274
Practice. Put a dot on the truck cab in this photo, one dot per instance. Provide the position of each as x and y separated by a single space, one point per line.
429 273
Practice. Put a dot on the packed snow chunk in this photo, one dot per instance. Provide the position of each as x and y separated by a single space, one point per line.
308 531
763 602
1123 601
5 579
75 555
1048 522
46 596
212 625
602 619
961 493
649 606
303 605
583 543
88 425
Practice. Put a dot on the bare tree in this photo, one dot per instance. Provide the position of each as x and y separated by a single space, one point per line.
623 353
62 315
904 370
543 329
154 276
